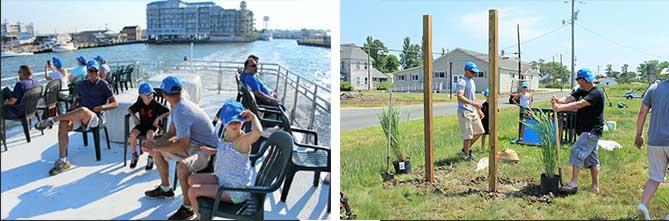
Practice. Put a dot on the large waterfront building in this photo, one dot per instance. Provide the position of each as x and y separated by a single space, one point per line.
177 20
18 33
134 33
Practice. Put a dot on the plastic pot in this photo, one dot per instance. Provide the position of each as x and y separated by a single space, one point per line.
550 184
402 167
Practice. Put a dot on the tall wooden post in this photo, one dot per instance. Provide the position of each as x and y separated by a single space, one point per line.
493 85
427 95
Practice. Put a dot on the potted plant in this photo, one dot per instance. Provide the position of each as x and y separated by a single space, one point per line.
550 181
390 119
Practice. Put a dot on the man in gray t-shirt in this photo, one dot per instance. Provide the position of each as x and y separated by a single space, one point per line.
657 99
471 127
190 128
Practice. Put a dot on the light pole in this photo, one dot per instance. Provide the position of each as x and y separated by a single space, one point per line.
574 17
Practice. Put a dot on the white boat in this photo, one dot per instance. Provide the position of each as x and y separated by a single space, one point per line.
63 47
14 54
266 35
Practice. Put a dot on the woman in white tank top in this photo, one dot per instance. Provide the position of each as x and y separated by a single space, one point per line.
524 98
58 73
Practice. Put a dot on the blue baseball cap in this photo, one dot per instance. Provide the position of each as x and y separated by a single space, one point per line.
146 89
470 66
485 92
230 112
524 84
170 85
586 75
99 58
81 59
56 62
92 64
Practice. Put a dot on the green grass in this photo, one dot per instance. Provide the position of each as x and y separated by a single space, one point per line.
380 99
455 196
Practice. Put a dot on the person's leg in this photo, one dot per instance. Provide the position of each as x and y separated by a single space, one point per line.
206 190
466 145
594 171
483 138
648 191
163 168
197 161
183 173
574 176
63 139
81 114
200 185
133 140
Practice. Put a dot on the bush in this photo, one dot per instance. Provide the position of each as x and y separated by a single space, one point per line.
384 86
389 119
345 86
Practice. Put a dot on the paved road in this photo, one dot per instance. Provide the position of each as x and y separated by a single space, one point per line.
353 118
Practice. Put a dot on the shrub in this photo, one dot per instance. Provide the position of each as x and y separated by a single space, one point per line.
390 119
345 86
544 126
384 86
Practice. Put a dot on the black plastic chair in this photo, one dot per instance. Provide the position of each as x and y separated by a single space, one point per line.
263 112
158 97
73 88
126 76
29 102
50 98
268 180
285 125
96 135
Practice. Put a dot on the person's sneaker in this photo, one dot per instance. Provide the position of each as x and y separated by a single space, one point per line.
59 167
48 123
469 157
642 210
158 192
182 214
149 163
133 162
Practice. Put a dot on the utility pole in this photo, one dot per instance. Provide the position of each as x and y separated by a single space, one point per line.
520 74
597 70
572 44
427 97
450 79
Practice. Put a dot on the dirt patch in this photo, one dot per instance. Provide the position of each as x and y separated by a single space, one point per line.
527 189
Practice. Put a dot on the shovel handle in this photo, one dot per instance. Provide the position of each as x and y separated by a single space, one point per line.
557 141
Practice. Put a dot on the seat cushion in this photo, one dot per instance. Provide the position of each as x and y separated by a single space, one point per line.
310 158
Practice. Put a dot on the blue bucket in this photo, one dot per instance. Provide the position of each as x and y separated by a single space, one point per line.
530 134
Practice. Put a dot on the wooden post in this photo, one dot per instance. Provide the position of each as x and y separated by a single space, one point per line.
427 95
493 85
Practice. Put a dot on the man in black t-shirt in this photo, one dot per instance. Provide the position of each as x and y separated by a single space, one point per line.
150 114
588 102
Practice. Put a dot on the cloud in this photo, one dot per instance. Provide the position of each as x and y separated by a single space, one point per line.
476 24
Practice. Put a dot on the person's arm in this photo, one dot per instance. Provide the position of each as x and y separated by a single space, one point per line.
134 108
640 121
244 143
262 96
463 99
156 122
108 106
563 100
46 71
571 106
516 98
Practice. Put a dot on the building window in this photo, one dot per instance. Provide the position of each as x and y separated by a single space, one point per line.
357 80
440 74
481 74
414 77
365 80
401 77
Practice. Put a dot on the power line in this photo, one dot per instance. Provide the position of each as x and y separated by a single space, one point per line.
617 43
535 38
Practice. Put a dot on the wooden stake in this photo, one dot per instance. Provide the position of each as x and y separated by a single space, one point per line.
427 95
557 142
493 85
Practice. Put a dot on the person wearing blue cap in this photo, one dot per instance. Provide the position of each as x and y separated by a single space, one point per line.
469 119
105 70
58 72
232 166
588 102
190 129
656 99
95 97
524 98
150 114
79 72
262 94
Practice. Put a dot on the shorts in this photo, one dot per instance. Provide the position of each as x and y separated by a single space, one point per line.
92 123
195 159
585 152
658 160
143 129
470 125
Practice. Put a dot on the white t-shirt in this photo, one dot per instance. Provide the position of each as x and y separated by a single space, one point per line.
64 81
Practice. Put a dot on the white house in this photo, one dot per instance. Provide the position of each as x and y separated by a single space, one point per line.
449 68
607 81
356 69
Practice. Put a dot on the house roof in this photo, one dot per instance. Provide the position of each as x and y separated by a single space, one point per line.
352 52
508 64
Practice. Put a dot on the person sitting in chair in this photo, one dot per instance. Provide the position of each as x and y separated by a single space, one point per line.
95 96
262 94
12 107
232 166
150 114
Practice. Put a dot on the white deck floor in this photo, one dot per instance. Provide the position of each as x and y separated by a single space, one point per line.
107 190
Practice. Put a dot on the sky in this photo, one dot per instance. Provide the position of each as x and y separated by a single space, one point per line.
51 16
613 32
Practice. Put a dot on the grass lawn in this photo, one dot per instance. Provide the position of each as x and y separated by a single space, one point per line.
380 98
460 193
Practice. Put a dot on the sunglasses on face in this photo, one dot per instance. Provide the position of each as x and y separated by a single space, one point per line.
253 66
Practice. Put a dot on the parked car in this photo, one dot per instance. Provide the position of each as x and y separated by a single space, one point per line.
631 95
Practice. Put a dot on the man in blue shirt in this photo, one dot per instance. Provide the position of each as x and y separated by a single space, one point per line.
79 73
95 96
262 93
471 127
12 107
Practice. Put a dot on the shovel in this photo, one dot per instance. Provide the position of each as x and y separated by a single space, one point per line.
557 143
